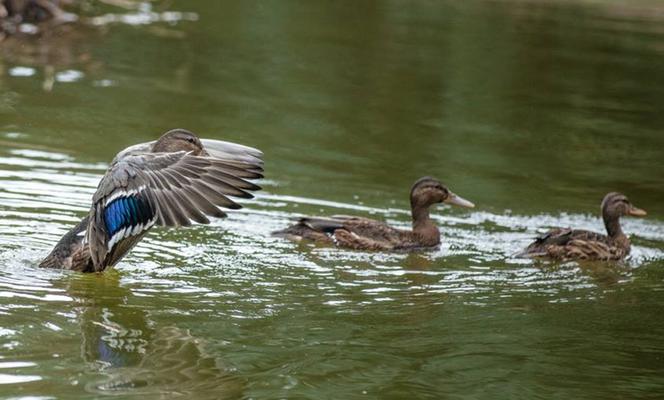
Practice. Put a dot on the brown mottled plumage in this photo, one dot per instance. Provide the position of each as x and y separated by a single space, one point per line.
71 252
367 234
169 182
577 244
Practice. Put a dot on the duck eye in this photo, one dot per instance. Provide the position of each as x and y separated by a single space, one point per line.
191 140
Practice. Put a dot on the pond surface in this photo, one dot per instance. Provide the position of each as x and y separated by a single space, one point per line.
532 110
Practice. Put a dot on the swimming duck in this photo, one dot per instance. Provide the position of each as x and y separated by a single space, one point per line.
367 234
571 244
37 13
172 181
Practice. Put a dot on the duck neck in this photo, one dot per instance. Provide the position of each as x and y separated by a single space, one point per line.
423 226
612 224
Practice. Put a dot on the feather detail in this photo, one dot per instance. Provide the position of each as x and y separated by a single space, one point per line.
168 189
166 182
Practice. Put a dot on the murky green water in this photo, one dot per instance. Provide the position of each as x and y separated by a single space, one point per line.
533 110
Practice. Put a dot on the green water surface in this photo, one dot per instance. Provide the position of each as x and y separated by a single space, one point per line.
531 109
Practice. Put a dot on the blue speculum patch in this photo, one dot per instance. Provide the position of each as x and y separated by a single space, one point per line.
126 212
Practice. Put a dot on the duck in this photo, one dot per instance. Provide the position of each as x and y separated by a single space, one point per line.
41 14
577 244
172 182
360 233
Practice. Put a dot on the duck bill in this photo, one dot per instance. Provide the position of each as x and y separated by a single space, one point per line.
458 201
637 212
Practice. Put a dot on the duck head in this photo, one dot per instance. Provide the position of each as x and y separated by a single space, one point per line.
427 191
614 206
617 204
179 140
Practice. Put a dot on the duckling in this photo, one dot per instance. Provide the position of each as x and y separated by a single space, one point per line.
171 182
577 244
361 233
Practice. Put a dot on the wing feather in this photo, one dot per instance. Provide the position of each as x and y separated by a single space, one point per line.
174 189
215 196
204 204
230 179
229 188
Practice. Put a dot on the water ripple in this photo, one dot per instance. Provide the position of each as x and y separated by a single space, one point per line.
233 270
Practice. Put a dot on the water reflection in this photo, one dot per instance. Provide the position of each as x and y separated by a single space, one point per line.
174 363
113 335
136 356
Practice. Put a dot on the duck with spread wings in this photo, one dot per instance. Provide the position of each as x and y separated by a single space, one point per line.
171 182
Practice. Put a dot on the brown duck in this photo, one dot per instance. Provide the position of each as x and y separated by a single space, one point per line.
171 182
367 234
577 244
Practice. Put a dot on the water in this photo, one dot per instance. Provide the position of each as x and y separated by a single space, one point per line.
532 110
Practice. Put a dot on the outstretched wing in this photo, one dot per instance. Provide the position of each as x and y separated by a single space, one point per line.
169 189
233 151
214 148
